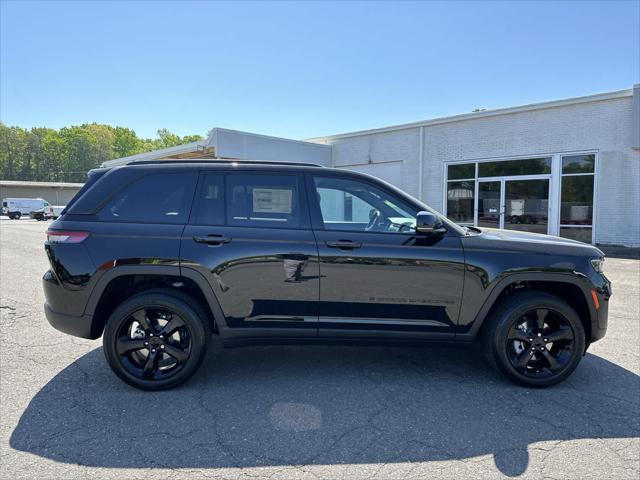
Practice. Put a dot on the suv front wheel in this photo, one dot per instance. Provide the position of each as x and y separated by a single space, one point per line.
534 339
156 340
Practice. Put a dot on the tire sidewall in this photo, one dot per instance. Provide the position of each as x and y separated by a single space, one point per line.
516 309
197 332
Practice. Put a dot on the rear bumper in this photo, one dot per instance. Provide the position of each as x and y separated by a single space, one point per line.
76 326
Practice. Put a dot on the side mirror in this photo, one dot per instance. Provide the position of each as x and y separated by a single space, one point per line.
427 223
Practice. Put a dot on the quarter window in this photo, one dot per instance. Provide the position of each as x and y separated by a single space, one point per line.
263 201
159 198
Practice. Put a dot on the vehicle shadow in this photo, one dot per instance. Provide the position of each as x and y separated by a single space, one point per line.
288 405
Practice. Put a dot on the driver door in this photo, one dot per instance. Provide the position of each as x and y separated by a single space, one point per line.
377 277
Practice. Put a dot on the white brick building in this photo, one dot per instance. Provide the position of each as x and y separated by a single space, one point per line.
597 136
568 167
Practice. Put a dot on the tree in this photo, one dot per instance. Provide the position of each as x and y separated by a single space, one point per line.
67 154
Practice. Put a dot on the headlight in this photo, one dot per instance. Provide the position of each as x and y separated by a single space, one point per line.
598 264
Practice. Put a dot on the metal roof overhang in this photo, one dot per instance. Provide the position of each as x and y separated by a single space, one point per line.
235 145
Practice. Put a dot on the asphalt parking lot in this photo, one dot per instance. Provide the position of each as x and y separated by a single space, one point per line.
306 412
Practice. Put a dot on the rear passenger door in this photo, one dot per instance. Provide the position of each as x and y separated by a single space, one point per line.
250 235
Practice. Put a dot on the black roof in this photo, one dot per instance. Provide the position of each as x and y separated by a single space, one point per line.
224 162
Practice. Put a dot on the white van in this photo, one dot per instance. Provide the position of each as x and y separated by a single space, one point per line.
57 210
14 208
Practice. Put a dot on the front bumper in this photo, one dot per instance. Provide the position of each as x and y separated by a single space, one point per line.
602 292
76 326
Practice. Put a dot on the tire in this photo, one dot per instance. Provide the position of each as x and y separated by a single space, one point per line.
17 215
176 356
524 352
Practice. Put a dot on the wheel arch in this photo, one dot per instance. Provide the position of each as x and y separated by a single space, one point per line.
122 282
568 287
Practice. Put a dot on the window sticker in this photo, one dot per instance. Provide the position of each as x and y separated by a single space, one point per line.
272 200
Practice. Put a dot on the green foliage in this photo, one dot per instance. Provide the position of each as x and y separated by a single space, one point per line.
66 155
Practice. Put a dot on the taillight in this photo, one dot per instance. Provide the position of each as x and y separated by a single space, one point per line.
64 236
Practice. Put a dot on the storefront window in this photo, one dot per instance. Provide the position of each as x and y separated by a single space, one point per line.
580 234
576 207
576 197
457 172
578 163
507 168
460 201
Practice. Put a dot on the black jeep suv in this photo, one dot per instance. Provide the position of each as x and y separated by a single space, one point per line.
157 256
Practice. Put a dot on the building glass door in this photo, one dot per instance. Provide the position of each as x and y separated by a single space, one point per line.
526 205
514 204
489 201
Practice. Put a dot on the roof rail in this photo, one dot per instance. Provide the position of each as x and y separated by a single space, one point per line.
223 161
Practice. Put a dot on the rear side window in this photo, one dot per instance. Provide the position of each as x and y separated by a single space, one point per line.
159 198
263 201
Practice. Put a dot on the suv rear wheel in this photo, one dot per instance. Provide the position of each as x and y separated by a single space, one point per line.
534 339
156 340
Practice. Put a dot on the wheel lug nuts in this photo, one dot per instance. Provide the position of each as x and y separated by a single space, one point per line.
162 347
542 348
531 339
151 334
546 340
153 350
146 343
539 334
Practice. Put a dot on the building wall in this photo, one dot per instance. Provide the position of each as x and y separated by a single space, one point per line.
380 153
54 195
604 126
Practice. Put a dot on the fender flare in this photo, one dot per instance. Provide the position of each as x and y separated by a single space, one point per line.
508 279
157 270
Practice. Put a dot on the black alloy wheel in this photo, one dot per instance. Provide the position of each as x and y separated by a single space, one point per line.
540 343
535 339
156 340
153 343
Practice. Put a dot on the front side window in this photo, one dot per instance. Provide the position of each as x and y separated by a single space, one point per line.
159 198
263 201
351 205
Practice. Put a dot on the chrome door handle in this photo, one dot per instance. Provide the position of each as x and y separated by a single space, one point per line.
212 239
344 244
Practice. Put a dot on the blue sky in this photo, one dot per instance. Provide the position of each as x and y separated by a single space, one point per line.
302 69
